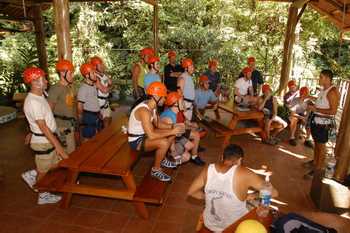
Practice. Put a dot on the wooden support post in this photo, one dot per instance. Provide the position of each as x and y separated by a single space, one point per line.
64 44
342 150
40 36
288 47
155 27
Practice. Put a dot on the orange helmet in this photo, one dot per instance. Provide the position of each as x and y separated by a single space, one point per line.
153 59
304 91
172 98
266 87
186 62
203 78
32 73
247 70
95 60
147 51
250 59
64 65
291 83
213 62
86 68
171 53
157 88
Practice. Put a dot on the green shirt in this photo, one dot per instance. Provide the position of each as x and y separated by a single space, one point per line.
64 100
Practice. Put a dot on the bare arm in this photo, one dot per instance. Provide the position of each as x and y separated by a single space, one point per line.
181 83
236 91
102 88
275 106
165 123
196 189
144 116
135 72
49 135
52 105
80 110
256 182
261 103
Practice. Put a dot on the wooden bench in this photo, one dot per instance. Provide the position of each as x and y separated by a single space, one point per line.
108 153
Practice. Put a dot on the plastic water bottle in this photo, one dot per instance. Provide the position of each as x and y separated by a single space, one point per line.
124 129
265 198
330 166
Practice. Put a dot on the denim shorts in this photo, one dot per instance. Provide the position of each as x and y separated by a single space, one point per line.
91 124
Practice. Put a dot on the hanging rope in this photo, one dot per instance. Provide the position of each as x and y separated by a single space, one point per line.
24 9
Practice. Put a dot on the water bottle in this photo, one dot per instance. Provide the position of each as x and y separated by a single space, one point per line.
265 198
124 129
330 166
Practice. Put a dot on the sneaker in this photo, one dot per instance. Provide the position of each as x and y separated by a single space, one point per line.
309 143
48 198
308 164
167 163
160 175
270 141
292 142
30 178
198 161
309 175
201 149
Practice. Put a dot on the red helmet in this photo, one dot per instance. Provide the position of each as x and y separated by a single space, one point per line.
86 68
172 98
153 59
304 91
203 78
64 65
186 62
213 62
147 51
171 53
157 88
95 60
32 73
250 59
291 83
266 87
247 70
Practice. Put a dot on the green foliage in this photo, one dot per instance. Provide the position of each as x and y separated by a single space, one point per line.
228 30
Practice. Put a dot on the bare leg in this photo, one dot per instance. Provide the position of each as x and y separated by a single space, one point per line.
293 126
161 147
195 138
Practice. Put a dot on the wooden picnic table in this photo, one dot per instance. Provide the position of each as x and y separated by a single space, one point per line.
108 153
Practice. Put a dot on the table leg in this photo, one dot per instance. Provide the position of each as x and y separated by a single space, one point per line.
261 124
72 177
140 207
233 122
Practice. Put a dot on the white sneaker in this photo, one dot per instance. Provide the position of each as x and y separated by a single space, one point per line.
30 178
48 198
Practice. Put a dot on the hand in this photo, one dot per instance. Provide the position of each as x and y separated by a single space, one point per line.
27 139
179 129
60 151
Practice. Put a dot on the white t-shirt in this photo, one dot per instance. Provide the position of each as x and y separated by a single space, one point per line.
104 79
243 85
37 108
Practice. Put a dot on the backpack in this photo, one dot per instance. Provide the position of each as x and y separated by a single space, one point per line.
293 223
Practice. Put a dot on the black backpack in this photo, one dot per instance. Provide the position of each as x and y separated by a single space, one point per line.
293 223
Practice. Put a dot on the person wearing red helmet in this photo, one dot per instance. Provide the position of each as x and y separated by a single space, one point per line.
88 105
147 133
172 71
205 97
186 87
48 150
268 104
153 73
213 76
299 113
256 77
243 92
292 92
62 99
139 70
104 85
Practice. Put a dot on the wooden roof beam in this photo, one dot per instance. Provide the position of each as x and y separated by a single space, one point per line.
299 3
330 16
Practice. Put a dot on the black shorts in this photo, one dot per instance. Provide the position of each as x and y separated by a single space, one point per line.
319 133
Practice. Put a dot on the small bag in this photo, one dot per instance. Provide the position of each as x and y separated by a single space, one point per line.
293 223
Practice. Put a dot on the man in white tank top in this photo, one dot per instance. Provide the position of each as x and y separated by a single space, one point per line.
224 186
322 121
147 133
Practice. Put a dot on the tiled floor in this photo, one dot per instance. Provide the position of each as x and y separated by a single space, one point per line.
20 214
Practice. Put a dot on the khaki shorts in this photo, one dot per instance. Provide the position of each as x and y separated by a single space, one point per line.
45 162
106 112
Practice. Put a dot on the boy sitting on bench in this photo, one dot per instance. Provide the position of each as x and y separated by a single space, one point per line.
204 97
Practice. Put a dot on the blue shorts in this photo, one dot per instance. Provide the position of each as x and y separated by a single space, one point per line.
135 144
91 124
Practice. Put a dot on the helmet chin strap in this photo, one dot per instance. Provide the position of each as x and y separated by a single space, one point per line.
89 77
40 84
65 77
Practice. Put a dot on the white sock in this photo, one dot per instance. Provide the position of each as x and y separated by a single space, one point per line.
194 156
